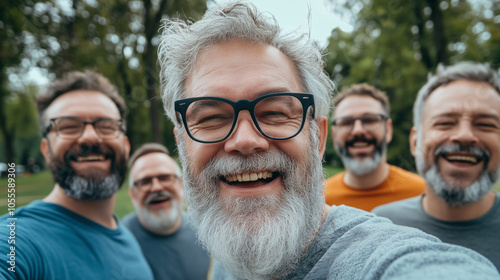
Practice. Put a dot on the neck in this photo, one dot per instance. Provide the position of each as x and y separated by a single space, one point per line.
99 211
369 180
439 209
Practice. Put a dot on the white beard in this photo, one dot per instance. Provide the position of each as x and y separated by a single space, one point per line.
257 237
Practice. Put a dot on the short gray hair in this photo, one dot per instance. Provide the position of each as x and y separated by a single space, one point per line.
181 44
471 71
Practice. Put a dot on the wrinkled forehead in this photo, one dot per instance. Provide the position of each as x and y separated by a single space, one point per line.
241 68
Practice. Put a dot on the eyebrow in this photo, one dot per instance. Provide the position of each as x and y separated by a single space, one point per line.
475 116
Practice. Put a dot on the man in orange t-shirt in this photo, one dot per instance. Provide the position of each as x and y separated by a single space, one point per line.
361 129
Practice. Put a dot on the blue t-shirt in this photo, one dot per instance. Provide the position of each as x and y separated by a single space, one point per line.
52 242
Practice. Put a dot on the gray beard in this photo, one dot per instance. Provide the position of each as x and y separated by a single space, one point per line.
362 166
163 220
81 188
455 194
259 237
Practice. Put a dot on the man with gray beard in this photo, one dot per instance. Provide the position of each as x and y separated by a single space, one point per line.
159 224
250 107
456 143
368 180
72 233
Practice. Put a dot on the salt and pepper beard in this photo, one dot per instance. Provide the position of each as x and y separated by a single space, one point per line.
93 186
164 219
260 237
454 193
366 165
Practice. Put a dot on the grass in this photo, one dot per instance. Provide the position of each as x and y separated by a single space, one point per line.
39 185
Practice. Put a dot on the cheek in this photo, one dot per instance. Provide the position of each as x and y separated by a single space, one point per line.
199 154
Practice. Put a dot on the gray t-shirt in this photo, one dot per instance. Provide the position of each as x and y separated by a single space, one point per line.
354 244
481 234
177 256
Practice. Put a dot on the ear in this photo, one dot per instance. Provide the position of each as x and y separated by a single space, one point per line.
175 134
322 134
44 148
126 144
388 132
413 141
131 192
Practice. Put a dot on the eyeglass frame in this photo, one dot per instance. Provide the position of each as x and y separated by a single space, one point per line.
384 118
52 123
306 99
135 184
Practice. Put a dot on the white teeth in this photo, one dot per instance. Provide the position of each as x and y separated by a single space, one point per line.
90 158
249 177
462 158
360 144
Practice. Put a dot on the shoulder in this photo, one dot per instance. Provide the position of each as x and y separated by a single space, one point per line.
400 172
335 178
402 206
130 220
363 242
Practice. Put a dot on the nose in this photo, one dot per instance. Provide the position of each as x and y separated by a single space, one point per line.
245 138
464 134
89 134
357 127
155 185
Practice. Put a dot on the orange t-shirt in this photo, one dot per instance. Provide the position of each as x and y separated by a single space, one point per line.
400 184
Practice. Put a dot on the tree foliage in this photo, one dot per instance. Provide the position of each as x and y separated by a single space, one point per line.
118 38
394 44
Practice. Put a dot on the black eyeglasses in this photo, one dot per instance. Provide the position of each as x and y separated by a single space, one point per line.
369 122
164 180
277 116
72 128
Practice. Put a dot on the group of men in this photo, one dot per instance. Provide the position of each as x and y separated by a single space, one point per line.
250 107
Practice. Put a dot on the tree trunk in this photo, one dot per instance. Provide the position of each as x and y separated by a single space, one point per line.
439 36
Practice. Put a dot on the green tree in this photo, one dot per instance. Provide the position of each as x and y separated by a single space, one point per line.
116 37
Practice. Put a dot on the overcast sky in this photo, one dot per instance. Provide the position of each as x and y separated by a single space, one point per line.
292 14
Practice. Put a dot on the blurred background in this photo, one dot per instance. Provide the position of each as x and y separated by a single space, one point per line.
391 44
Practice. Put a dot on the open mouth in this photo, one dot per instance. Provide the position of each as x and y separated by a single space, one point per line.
160 199
360 144
462 158
90 158
262 177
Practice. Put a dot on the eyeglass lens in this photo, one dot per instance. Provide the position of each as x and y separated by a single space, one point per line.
369 122
164 179
73 128
276 116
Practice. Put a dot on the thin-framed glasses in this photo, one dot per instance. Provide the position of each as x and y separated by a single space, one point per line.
368 121
278 116
72 128
146 182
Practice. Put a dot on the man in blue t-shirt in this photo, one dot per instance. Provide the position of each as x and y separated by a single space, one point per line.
72 233
162 229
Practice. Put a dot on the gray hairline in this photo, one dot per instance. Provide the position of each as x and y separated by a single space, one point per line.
470 71
181 45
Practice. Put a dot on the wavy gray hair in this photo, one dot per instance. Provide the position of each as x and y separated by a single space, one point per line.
181 43
467 70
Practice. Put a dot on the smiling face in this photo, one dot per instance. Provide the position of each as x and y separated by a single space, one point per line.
459 139
163 196
249 183
359 147
239 70
87 167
